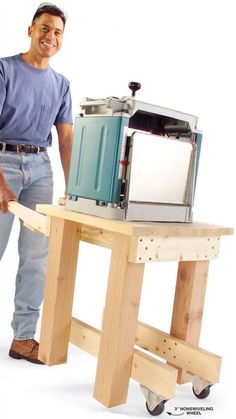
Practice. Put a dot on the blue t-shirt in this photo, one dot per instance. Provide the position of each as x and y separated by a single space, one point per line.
31 101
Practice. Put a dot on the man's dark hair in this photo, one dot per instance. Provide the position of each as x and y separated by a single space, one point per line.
51 9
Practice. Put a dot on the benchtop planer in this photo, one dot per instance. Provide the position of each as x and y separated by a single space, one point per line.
133 161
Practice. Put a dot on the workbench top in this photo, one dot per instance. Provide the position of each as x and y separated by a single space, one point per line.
136 229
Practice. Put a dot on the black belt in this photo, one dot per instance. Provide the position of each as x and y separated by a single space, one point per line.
21 148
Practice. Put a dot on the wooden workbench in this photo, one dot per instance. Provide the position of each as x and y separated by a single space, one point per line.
133 244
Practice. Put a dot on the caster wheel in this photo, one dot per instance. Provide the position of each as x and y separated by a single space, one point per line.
204 393
157 410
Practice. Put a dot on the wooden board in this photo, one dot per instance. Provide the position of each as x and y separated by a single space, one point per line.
179 353
59 288
152 373
119 325
189 303
164 249
137 229
96 236
32 219
196 360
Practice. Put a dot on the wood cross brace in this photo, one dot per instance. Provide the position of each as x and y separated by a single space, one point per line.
31 219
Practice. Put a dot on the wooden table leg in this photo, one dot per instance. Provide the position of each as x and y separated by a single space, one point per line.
59 289
119 325
189 303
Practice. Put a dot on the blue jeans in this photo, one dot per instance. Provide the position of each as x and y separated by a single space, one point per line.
30 178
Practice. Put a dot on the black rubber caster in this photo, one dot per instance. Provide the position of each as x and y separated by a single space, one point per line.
204 393
158 410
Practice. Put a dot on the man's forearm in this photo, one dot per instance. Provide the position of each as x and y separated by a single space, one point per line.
65 154
65 136
2 178
6 194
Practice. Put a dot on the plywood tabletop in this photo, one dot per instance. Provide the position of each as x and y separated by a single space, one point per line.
194 229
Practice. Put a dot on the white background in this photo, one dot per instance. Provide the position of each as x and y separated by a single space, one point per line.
183 54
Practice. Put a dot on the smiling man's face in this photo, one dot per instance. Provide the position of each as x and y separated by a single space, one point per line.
46 35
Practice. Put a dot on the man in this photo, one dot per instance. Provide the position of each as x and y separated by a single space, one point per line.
33 97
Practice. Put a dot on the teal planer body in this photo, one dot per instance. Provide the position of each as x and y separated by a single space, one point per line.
94 172
133 161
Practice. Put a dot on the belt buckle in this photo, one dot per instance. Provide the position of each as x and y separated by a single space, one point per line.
34 149
20 148
3 151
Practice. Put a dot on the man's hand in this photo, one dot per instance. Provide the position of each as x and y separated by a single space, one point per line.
6 195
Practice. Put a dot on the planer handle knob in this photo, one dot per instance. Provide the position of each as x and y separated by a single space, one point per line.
134 86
